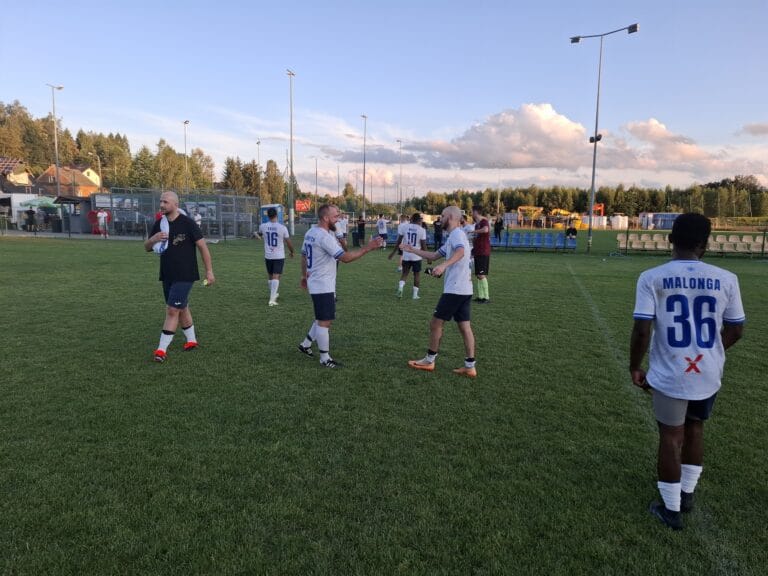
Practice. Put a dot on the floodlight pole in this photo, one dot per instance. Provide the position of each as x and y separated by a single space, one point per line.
365 134
595 138
55 134
400 185
186 165
101 179
291 75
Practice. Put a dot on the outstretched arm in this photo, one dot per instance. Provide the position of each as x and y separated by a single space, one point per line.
423 253
374 244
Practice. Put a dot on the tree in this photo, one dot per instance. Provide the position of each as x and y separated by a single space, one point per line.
274 184
143 170
252 178
233 174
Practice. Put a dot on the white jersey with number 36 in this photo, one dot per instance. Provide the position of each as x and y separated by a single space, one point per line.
688 302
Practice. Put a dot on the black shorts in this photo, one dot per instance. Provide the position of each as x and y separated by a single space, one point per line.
411 265
325 306
274 266
482 263
454 307
177 294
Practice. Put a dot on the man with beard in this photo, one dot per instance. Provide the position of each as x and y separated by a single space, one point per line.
319 254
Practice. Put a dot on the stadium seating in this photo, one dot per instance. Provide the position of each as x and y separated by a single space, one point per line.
536 241
720 244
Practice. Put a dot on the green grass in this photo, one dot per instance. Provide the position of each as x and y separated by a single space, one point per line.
246 458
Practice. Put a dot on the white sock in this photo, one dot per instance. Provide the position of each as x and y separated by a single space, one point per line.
400 285
311 336
415 291
670 493
469 362
430 358
323 342
273 289
689 477
189 333
165 341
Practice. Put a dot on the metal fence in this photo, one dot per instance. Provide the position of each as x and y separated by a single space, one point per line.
134 211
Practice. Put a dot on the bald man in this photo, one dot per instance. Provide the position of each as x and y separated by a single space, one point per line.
176 237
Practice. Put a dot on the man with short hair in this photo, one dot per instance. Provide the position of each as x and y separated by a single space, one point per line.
381 226
456 301
689 313
415 236
438 232
276 237
319 255
177 238
481 252
102 218
341 230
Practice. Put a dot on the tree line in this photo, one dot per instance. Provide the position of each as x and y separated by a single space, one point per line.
31 140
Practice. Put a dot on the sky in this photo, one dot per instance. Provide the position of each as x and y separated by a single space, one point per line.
479 93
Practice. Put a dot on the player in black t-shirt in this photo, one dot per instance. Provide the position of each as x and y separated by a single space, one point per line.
177 238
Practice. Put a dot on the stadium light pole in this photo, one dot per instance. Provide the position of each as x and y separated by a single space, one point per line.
291 75
98 160
186 163
400 185
315 157
258 153
631 29
365 134
55 87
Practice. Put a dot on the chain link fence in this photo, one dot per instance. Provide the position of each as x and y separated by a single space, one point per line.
134 210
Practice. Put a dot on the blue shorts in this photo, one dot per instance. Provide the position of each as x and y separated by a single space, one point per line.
325 306
177 294
274 266
454 307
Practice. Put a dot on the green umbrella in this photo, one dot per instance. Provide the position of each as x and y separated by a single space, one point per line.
39 202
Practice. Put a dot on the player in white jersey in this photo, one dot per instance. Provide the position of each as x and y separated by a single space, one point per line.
456 301
319 254
276 237
416 237
689 313
341 230
400 227
381 227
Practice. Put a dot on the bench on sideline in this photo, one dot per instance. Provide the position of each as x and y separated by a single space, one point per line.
517 241
747 244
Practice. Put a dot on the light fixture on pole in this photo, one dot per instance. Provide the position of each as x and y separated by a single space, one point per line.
365 134
55 134
595 138
258 153
98 160
291 75
186 164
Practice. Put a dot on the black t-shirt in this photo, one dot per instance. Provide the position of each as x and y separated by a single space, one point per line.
438 229
179 261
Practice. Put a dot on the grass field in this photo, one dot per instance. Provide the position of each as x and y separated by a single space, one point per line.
245 457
